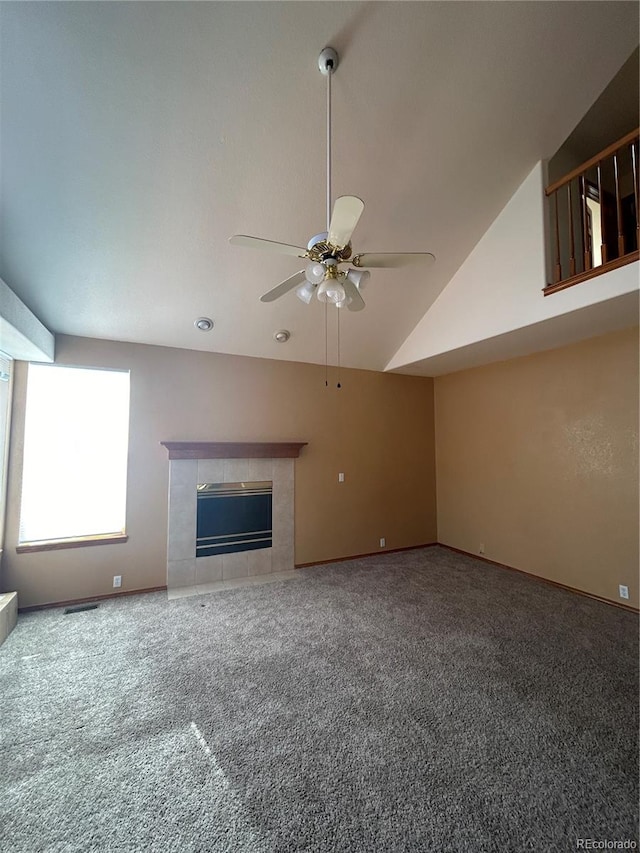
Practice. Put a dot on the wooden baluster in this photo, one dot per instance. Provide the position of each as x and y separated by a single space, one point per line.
572 248
586 237
557 273
634 169
618 207
603 242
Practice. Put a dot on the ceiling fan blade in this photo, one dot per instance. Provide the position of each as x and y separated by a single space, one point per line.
353 294
284 287
389 260
267 245
347 210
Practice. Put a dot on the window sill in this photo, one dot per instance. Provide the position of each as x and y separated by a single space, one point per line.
79 542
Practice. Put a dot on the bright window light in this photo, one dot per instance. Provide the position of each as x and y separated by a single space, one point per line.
74 479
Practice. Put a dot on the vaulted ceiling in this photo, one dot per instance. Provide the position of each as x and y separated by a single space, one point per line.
138 137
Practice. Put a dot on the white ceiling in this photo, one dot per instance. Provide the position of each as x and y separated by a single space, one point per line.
137 137
612 116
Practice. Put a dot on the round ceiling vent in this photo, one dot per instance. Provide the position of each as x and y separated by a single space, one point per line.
282 336
205 324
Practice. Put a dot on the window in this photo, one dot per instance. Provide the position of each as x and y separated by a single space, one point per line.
74 477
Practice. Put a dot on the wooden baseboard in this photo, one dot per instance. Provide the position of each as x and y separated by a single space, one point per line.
567 588
92 598
564 586
361 556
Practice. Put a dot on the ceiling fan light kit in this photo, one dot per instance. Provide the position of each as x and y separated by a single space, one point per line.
333 292
314 272
305 291
359 278
327 250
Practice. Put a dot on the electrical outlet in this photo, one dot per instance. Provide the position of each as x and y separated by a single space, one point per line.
481 548
383 542
341 477
117 581
624 591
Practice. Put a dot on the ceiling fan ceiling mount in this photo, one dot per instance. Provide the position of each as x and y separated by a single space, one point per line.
328 61
327 250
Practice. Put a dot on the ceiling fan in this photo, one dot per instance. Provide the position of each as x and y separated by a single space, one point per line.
328 250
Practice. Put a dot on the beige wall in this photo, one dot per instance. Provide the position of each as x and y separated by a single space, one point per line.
378 429
537 458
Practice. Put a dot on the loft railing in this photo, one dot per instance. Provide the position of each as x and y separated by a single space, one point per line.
594 215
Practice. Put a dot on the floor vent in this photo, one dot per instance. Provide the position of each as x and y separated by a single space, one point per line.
78 608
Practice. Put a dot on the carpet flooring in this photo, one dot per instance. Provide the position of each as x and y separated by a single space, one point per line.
422 701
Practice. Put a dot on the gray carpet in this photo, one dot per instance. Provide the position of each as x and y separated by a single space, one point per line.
409 702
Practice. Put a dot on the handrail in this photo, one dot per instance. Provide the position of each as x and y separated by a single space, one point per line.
606 152
593 227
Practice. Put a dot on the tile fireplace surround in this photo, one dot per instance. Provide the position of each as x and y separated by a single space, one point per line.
227 462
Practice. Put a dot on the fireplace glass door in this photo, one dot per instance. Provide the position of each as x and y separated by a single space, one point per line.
233 517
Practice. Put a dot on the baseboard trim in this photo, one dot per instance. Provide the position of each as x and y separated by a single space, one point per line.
564 586
91 598
361 556
483 559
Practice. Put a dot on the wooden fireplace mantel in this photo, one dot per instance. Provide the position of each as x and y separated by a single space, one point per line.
233 449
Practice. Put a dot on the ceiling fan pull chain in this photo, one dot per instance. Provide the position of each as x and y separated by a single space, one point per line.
339 385
326 348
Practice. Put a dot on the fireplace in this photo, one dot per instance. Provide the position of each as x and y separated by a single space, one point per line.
233 517
208 475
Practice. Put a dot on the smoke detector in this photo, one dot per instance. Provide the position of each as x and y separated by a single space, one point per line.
204 324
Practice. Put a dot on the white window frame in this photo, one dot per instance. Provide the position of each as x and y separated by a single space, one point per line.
71 438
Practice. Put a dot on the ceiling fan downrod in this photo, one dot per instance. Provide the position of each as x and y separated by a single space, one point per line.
324 253
327 63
